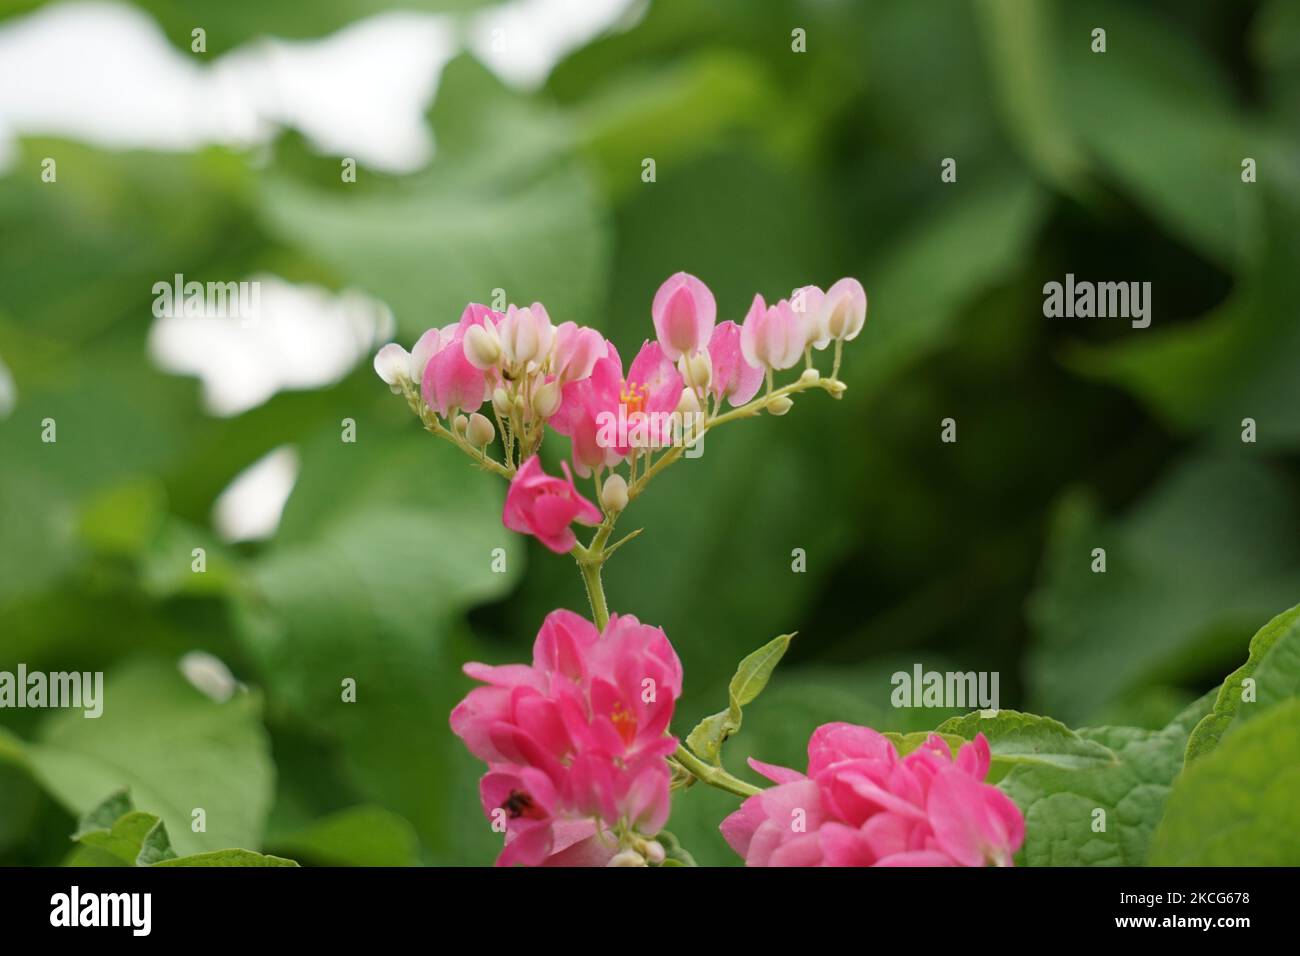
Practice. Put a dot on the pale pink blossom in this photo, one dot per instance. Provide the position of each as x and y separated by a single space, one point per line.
450 382
577 349
842 312
684 311
860 804
526 335
545 507
733 377
773 337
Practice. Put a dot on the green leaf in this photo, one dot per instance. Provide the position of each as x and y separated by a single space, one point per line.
231 857
1017 738
754 672
1274 669
173 748
1237 805
751 677
135 839
1061 806
357 836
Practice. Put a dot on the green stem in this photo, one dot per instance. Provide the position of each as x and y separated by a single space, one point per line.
713 776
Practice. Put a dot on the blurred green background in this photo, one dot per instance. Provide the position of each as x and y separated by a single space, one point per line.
773 169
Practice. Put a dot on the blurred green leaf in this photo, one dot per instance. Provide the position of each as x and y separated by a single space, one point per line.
383 543
431 243
358 836
1237 362
1189 571
173 748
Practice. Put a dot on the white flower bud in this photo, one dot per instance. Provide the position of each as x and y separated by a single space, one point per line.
479 432
627 858
654 852
779 405
392 363
613 493
501 402
810 376
482 347
460 423
689 403
701 369
547 398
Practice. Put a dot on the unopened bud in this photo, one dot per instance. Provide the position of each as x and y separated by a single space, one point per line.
479 432
460 423
810 376
627 858
689 403
519 404
501 402
547 398
779 405
613 493
654 852
696 369
482 347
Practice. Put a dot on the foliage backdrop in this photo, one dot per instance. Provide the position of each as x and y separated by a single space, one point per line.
774 169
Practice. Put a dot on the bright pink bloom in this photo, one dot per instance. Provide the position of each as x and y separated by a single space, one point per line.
733 377
544 506
684 311
577 349
449 381
774 337
578 735
604 413
860 804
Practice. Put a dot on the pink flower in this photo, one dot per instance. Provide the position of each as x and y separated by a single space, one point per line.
684 311
773 337
543 506
577 349
605 413
860 804
449 381
577 736
733 377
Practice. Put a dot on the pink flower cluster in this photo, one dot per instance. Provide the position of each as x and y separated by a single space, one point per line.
570 377
860 804
576 740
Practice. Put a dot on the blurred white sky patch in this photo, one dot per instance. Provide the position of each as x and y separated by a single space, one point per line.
522 40
302 336
249 508
105 73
